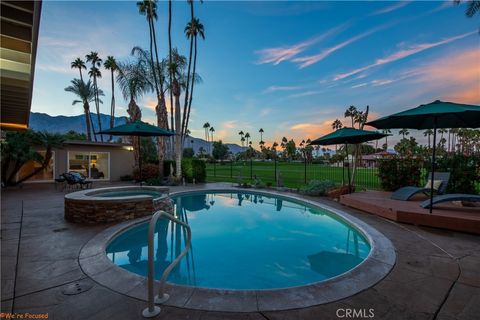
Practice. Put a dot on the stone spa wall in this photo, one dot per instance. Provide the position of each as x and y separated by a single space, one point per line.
86 208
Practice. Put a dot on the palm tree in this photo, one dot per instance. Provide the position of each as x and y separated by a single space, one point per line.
242 140
206 125
473 7
95 73
212 130
192 31
111 64
352 113
386 131
78 64
261 134
404 132
241 137
427 133
247 136
133 84
86 93
176 68
158 86
337 124
170 57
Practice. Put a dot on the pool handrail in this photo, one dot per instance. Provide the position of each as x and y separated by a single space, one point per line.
152 310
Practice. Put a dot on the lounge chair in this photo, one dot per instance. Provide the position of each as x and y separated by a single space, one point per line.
451 197
76 179
440 178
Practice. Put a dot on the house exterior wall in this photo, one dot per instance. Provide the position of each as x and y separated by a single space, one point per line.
121 159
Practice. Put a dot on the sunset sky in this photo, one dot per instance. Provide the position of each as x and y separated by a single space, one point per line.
290 68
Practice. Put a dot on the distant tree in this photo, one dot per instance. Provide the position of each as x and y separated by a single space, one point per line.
212 130
291 149
428 133
386 131
43 140
220 150
242 139
188 153
337 124
73 135
404 132
352 113
261 134
111 64
95 73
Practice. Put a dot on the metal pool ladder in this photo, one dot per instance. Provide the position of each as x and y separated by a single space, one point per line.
152 310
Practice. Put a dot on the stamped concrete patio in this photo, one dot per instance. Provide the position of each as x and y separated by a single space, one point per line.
435 276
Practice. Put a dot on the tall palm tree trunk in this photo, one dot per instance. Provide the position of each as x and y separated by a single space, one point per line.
170 62
97 106
193 83
112 106
178 135
185 106
86 109
81 77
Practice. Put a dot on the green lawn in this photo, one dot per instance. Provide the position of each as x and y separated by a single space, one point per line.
293 173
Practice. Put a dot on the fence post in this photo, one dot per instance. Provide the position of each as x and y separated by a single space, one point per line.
214 168
231 168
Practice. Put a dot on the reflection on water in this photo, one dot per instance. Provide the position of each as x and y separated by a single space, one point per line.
268 243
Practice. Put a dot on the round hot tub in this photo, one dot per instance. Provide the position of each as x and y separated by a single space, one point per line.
104 205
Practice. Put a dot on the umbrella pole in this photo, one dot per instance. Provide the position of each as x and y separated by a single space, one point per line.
348 168
140 159
433 162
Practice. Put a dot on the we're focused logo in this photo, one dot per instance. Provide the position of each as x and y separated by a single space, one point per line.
352 313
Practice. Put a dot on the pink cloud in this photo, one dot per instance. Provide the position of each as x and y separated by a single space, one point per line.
403 54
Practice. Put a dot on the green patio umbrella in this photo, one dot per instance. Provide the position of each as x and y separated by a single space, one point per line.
348 136
435 115
138 129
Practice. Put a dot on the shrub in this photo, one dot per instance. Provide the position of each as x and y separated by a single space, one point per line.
258 183
464 172
317 187
396 172
194 169
148 171
154 182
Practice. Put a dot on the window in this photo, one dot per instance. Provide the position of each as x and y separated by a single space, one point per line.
46 174
93 165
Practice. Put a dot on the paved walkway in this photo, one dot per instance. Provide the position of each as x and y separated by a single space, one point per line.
436 275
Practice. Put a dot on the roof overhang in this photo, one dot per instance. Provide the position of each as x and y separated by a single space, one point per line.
20 22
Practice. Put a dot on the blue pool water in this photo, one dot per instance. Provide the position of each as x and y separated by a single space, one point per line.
245 241
110 194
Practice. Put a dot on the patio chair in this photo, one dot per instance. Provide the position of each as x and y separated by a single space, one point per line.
440 184
451 197
81 180
71 182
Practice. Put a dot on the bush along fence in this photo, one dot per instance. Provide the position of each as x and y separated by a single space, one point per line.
387 174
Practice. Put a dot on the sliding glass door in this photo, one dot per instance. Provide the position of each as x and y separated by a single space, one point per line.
93 165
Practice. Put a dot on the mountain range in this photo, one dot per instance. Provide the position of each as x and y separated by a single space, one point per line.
63 124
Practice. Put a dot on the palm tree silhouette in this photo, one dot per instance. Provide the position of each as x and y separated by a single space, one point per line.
404 132
241 137
86 93
261 134
352 113
247 136
78 64
95 73
212 130
133 84
111 64
193 29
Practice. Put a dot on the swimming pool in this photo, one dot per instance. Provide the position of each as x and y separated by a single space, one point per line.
245 240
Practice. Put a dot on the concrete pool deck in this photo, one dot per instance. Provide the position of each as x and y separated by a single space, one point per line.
435 276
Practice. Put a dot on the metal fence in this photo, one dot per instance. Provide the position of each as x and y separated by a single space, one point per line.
293 173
